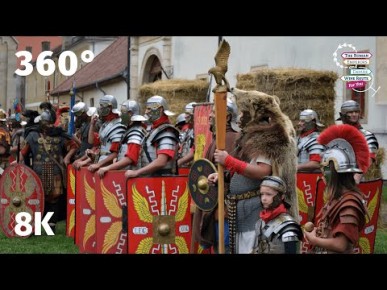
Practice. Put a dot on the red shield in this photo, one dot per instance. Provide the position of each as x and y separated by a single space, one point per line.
111 210
85 211
306 195
70 221
372 191
184 170
203 135
159 220
20 191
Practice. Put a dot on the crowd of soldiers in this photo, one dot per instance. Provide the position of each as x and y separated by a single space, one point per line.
112 138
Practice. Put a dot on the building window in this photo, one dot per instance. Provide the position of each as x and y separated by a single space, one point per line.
91 102
45 45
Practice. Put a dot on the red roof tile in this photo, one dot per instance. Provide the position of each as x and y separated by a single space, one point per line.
106 66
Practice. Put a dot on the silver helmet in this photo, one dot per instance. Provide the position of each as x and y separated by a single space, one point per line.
180 119
79 108
134 107
109 100
130 106
45 116
346 147
341 153
189 108
157 101
348 106
309 115
274 182
232 108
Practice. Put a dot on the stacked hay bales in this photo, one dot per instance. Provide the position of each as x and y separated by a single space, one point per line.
298 89
375 170
177 93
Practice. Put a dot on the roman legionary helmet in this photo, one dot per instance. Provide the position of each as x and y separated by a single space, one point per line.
274 182
233 110
180 120
348 106
279 185
153 104
157 101
189 108
308 116
80 108
346 147
134 107
105 102
46 117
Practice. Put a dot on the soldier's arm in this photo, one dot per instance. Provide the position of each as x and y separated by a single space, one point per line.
155 165
256 170
185 159
337 244
308 166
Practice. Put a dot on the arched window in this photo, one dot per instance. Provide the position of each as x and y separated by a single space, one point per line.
153 71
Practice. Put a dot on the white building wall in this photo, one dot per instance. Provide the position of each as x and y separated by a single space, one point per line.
118 90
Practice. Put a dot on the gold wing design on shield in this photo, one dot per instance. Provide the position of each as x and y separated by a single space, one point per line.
372 205
90 194
182 206
111 236
144 246
72 181
141 206
181 245
71 221
89 229
110 201
302 207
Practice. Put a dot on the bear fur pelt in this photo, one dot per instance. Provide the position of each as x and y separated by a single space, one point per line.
269 133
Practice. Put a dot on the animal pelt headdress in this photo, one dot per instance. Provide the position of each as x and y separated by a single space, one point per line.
271 134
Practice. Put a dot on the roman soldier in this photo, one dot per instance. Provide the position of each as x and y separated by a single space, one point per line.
309 151
130 147
51 149
276 231
160 145
343 216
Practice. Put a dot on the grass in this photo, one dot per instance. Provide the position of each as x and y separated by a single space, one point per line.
58 244
381 233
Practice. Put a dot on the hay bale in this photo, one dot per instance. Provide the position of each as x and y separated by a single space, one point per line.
177 93
298 89
375 170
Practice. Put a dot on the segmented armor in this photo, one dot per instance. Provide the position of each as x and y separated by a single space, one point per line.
166 136
372 142
108 133
271 237
308 145
134 135
186 144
